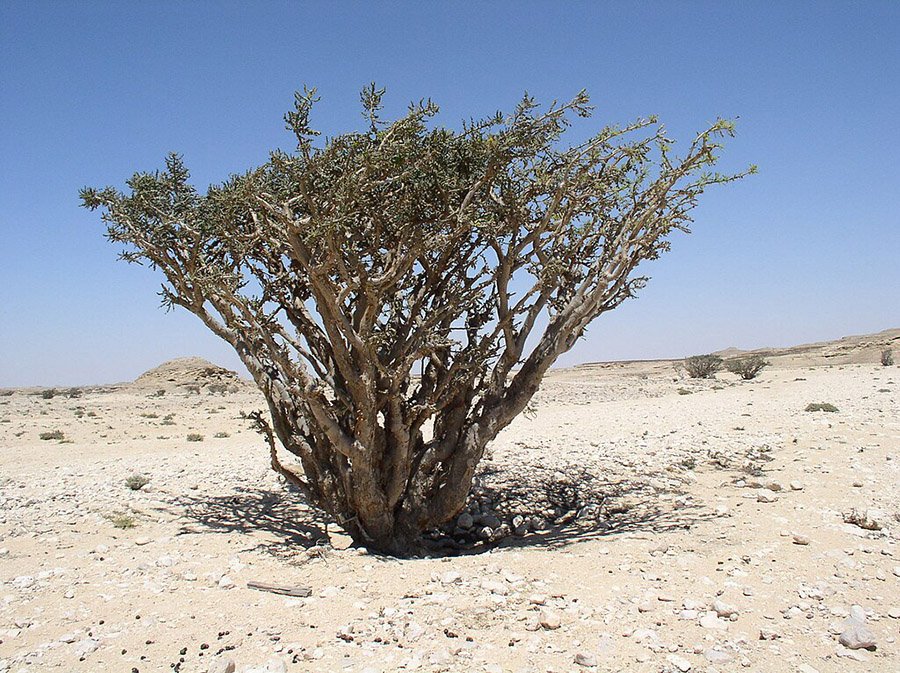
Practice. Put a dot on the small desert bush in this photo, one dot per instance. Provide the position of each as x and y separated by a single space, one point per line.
48 394
221 435
702 366
747 368
887 357
195 437
123 521
821 406
136 482
150 415
168 419
54 434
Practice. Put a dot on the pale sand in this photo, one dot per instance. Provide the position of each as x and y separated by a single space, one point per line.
682 523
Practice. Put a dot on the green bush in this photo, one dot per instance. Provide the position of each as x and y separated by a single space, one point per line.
747 368
136 482
55 434
702 366
123 521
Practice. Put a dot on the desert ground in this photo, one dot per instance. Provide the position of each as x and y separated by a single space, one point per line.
664 524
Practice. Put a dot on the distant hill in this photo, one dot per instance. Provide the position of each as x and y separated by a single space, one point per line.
191 373
857 349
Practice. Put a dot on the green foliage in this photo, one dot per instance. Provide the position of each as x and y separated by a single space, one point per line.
49 394
136 482
702 366
53 434
195 437
122 521
821 406
747 368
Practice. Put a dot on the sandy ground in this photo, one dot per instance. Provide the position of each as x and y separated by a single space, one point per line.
681 525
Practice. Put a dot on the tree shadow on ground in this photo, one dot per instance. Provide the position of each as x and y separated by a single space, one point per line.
574 504
569 503
258 513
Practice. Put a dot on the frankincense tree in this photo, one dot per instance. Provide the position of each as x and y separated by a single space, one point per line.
474 257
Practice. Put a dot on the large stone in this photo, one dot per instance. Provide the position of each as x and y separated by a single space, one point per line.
550 619
857 636
222 665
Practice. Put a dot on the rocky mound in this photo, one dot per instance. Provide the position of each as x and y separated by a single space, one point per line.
191 375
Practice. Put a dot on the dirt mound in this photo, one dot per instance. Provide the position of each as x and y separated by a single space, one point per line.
191 375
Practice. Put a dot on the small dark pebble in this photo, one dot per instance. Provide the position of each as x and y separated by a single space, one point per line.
204 646
183 651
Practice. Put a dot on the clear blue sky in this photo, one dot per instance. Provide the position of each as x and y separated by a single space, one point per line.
805 250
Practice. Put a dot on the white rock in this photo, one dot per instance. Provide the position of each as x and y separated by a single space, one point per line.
586 660
680 663
710 620
856 635
225 582
858 613
86 646
450 577
722 609
796 486
222 665
549 619
717 656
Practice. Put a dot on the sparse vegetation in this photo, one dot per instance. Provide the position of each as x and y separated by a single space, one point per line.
221 435
136 482
747 368
168 419
149 415
49 394
123 521
887 357
195 437
821 406
53 434
702 366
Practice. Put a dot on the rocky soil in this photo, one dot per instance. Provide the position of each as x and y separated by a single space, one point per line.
637 521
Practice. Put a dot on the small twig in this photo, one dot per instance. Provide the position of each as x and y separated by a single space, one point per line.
298 591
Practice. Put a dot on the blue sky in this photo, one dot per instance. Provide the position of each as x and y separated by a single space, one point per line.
805 250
